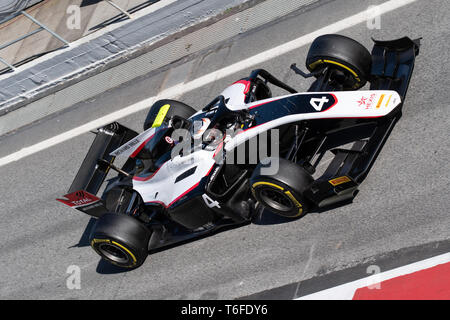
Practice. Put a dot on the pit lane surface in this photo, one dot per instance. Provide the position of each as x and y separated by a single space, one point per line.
402 203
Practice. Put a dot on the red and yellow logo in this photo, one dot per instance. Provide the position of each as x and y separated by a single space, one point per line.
340 180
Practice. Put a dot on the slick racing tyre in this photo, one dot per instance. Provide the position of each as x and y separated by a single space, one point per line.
163 110
281 190
121 240
344 54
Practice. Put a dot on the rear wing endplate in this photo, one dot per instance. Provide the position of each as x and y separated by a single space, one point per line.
94 169
92 173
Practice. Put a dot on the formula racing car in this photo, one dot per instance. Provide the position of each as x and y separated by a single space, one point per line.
193 171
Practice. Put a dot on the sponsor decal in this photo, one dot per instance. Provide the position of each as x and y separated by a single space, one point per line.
380 101
340 180
100 241
126 147
389 99
92 206
367 102
394 101
79 199
161 116
132 147
362 102
169 140
213 176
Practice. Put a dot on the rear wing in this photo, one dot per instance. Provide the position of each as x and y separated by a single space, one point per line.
92 174
94 169
393 64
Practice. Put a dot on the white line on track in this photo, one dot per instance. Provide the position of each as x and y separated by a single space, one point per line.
204 80
346 291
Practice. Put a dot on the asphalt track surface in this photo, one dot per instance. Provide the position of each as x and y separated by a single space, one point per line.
403 202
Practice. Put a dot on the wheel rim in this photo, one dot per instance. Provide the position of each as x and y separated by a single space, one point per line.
276 199
113 253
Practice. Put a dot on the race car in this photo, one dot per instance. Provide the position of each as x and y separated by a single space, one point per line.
193 172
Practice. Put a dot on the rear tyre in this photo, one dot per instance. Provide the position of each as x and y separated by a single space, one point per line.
163 110
344 54
121 240
281 192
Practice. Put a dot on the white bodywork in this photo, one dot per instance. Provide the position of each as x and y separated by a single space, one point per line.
161 187
350 104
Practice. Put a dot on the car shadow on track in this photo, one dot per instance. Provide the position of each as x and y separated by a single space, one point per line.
104 267
84 239
269 218
264 218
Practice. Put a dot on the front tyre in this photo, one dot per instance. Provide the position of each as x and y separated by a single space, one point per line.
121 240
344 54
281 192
